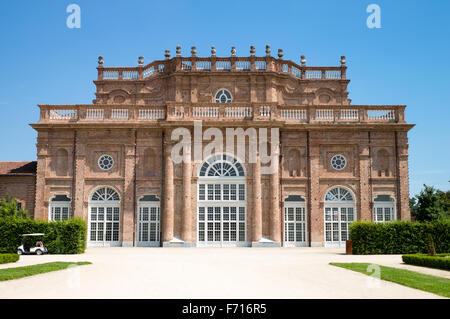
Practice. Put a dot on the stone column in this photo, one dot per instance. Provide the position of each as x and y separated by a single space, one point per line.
257 207
315 208
403 212
129 197
365 194
186 228
40 209
168 210
275 218
80 210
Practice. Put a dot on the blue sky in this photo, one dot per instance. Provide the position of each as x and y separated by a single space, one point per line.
406 61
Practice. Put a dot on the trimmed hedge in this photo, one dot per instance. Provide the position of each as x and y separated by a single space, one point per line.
63 237
440 261
8 258
399 237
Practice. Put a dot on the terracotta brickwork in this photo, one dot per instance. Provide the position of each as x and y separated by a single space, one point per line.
136 110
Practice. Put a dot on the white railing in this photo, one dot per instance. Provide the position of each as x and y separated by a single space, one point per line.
324 114
203 65
238 111
186 65
223 65
332 75
63 114
296 72
94 114
130 75
119 114
260 65
151 114
313 75
161 68
292 114
110 75
285 68
349 114
148 72
243 65
205 111
381 114
264 111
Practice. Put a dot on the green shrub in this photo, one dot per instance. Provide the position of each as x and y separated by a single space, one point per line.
8 258
440 261
66 237
399 237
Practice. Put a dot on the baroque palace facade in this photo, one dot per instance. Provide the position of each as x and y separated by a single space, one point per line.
111 163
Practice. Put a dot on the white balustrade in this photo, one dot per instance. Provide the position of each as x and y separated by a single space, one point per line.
349 114
325 114
63 114
260 65
264 111
119 114
332 75
151 114
161 68
296 72
130 75
110 75
313 75
238 111
381 115
223 65
205 112
285 68
148 72
186 65
203 65
94 114
243 65
293 114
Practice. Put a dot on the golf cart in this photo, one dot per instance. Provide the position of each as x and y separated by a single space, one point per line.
32 244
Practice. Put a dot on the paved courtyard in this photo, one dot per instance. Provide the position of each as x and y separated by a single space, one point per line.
210 273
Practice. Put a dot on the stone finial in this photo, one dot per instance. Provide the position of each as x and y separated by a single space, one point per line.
141 61
193 51
303 60
233 51
268 50
213 51
178 50
167 54
252 50
342 60
280 53
100 61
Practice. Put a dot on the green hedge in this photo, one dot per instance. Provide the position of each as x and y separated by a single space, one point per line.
399 237
66 237
8 258
440 261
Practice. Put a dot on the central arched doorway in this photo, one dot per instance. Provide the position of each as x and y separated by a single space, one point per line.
339 212
221 205
104 217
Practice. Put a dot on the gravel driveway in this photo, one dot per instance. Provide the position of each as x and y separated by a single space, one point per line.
210 273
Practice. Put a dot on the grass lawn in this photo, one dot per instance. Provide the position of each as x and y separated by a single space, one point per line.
437 285
20 272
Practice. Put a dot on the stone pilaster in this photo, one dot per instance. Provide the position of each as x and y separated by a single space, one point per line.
186 227
275 217
80 163
316 201
257 206
129 197
168 209
365 197
403 212
40 211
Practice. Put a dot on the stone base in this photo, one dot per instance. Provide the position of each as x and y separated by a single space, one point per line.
265 242
127 244
317 244
168 244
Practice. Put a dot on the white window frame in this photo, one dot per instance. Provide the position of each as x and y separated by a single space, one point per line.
217 100
59 205
105 204
333 206
142 224
294 223
390 205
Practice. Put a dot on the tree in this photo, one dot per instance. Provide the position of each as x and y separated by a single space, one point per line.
431 204
9 207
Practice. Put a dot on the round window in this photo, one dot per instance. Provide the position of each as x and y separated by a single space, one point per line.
223 96
338 162
105 162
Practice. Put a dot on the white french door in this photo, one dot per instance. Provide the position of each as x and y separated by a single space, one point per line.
104 224
295 229
383 212
337 219
148 224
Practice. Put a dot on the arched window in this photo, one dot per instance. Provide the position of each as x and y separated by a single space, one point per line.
223 96
59 208
104 217
221 166
339 211
221 202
